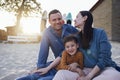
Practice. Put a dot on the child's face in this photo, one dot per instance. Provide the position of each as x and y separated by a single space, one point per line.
71 47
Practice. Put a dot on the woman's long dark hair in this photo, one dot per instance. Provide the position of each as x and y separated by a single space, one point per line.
87 34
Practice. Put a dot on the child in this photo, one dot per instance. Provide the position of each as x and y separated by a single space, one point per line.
70 55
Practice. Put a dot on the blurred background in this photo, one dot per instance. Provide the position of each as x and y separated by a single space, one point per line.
22 23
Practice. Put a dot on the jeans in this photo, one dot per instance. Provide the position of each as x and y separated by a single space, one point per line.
37 76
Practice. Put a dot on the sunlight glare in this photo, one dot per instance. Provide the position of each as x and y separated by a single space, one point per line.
30 25
7 19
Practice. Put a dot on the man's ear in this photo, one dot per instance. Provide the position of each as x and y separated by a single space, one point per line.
49 20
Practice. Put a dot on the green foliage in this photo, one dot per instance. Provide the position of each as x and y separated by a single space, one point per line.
23 7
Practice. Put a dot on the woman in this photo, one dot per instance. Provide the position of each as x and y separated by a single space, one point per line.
96 50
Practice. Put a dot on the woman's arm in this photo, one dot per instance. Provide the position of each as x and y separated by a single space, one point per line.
80 72
94 72
104 57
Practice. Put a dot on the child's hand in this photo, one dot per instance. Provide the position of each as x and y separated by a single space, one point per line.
73 66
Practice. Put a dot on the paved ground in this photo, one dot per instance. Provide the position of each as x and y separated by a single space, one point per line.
17 59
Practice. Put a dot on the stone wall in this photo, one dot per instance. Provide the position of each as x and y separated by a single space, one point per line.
3 35
103 16
116 20
11 30
107 16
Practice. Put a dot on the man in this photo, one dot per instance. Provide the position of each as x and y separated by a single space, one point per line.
53 38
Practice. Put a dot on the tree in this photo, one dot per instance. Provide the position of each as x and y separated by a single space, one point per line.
21 8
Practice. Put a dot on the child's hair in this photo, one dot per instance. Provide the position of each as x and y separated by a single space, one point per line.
70 38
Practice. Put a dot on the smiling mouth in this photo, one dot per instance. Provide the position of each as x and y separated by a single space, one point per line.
71 51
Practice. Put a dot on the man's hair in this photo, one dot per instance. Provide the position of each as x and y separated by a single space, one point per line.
53 12
70 38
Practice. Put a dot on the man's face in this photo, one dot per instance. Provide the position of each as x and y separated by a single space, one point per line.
56 21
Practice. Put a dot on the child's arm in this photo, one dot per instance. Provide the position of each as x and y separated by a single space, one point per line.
80 56
73 66
63 63
79 64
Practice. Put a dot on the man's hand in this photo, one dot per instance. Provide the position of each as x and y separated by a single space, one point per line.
42 71
33 71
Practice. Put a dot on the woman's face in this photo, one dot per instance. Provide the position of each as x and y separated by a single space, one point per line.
79 21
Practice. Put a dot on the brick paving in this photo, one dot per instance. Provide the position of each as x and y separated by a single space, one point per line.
18 59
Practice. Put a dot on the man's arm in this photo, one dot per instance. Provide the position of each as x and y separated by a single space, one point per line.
52 65
44 50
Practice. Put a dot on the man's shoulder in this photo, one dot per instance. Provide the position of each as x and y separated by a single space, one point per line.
47 30
69 28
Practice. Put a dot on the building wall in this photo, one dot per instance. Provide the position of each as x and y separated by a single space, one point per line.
103 17
11 30
116 20
3 35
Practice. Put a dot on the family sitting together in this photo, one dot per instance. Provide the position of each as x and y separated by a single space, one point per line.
81 52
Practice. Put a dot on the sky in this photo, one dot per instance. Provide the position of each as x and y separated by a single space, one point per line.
65 6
